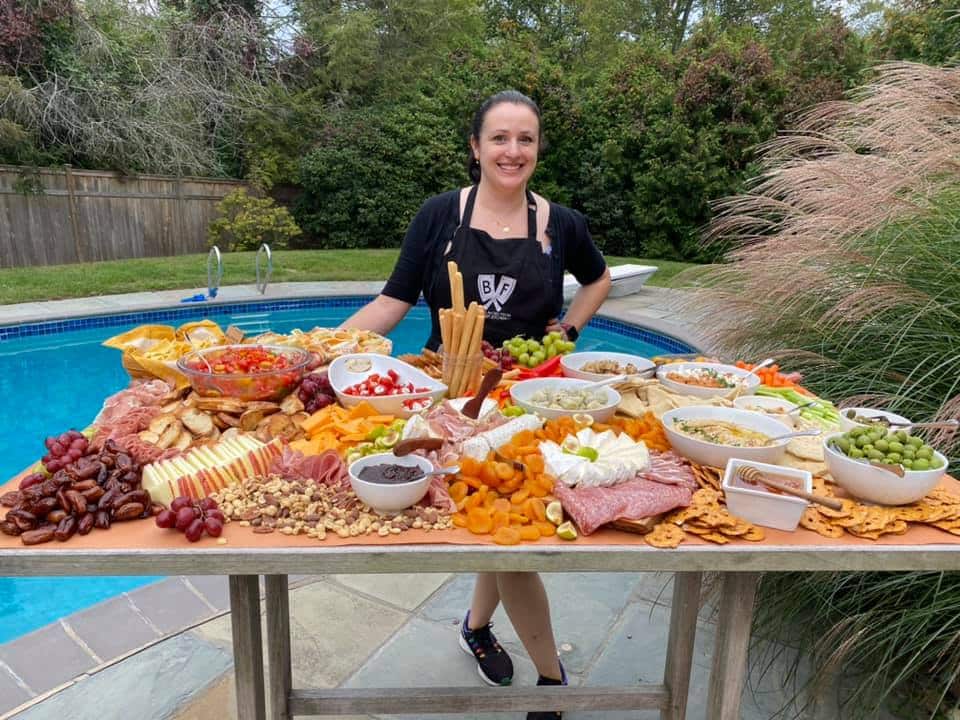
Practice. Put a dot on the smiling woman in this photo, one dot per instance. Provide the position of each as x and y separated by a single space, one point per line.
510 248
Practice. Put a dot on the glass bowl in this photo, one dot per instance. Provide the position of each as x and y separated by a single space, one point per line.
252 384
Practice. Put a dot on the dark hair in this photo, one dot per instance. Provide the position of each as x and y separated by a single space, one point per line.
504 96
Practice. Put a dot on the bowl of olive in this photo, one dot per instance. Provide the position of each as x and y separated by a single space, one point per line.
853 457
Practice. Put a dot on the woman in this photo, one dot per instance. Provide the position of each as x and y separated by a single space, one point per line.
512 247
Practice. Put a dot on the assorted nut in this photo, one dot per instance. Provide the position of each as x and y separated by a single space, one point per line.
294 507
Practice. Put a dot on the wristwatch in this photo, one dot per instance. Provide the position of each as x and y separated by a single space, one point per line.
570 331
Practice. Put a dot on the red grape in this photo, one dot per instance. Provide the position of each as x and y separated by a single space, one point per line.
56 449
208 503
166 519
185 518
181 502
194 531
49 441
216 515
54 465
213 527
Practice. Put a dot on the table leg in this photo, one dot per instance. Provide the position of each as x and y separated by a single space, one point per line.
683 630
729 669
278 646
247 646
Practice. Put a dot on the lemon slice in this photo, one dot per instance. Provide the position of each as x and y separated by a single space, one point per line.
567 531
583 420
555 512
570 444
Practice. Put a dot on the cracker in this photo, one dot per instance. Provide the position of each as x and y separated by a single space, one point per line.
716 538
664 535
679 517
754 534
739 528
695 529
846 511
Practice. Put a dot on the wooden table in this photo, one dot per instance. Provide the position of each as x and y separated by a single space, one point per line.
738 564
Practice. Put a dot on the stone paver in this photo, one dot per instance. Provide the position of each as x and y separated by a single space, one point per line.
334 631
11 694
112 628
170 605
404 591
151 684
215 588
46 658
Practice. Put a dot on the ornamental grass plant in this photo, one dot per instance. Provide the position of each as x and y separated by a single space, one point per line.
845 265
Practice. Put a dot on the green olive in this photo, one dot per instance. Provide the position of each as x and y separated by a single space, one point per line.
921 464
856 453
882 445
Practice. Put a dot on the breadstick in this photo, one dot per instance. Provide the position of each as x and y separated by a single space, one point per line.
459 374
474 382
475 340
459 300
452 273
446 330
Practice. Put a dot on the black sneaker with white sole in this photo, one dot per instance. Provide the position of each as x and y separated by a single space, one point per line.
549 714
493 663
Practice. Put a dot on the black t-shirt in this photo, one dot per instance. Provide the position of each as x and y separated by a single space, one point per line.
438 218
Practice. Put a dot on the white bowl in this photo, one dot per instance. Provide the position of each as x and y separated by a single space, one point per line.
847 424
768 406
520 393
487 407
390 498
571 364
750 381
706 453
876 485
762 507
348 370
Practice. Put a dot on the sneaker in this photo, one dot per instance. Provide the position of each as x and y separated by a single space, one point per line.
493 663
549 714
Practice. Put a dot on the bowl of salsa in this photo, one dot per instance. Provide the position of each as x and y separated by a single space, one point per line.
245 372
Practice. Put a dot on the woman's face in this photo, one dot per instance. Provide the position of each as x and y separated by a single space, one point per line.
508 144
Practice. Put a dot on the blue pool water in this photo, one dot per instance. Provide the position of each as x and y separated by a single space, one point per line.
53 382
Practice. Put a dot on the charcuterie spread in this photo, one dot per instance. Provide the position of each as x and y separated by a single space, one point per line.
311 437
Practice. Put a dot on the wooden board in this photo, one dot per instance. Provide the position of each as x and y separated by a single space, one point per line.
640 527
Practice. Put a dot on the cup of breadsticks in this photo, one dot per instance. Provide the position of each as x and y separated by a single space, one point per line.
461 331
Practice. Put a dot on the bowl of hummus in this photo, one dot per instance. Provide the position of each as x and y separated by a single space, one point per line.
713 435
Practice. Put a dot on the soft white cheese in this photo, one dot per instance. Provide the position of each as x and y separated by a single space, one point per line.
618 459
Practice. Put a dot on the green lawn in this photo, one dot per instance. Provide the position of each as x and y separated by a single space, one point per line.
189 271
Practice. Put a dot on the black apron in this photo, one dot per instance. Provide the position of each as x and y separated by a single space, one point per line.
510 278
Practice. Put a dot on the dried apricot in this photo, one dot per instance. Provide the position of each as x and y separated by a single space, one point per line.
529 532
519 496
536 510
459 519
507 536
501 504
504 471
546 528
479 521
458 491
500 519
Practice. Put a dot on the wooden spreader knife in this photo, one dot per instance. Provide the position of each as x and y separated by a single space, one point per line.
472 407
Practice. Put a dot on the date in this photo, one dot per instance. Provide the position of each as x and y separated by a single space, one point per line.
38 536
129 511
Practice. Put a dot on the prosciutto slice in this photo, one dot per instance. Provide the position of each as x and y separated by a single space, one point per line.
326 468
670 469
591 507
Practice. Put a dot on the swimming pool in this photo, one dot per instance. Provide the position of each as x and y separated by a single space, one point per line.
55 376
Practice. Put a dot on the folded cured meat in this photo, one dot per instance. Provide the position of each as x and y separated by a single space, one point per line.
670 469
478 446
591 507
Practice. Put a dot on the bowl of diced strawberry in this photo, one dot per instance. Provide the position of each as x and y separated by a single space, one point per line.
391 386
246 372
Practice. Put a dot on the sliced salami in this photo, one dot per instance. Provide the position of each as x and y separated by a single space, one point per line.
591 507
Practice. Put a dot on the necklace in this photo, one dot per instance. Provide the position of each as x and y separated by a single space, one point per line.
504 226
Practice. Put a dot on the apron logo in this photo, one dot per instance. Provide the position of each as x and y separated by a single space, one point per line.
494 293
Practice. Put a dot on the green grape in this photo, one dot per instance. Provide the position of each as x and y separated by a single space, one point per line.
524 359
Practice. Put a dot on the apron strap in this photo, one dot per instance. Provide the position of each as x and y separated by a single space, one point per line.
531 217
468 208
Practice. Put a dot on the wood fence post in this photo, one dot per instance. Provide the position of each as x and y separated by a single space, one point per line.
179 243
74 220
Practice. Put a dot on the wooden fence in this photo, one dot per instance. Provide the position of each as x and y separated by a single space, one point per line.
86 215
